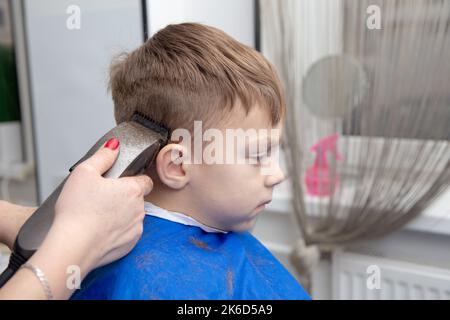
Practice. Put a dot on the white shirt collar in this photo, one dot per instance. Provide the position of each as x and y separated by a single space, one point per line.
153 210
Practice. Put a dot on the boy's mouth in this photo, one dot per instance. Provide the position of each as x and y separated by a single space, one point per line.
262 205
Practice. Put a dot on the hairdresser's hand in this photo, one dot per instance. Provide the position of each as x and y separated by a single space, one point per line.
107 214
97 221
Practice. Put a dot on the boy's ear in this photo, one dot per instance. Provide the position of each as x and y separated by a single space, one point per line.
172 170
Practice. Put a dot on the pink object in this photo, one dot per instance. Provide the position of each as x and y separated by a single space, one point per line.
320 180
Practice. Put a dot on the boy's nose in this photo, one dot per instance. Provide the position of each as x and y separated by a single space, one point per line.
276 176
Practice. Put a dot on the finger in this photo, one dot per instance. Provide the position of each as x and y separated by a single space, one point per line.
103 159
144 182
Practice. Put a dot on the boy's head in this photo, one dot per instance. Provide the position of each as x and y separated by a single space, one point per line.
191 72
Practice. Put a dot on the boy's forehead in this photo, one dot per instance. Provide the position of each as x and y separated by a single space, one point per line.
256 126
257 118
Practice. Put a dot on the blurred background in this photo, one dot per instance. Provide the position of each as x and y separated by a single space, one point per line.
365 213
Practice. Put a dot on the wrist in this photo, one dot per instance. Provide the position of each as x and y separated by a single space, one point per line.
63 257
71 241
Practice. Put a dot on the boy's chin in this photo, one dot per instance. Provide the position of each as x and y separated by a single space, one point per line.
244 226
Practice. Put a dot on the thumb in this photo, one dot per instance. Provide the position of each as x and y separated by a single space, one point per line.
145 183
104 158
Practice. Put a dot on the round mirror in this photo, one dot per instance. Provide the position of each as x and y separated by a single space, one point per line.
334 86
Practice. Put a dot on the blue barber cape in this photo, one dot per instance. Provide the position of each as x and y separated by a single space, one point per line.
175 261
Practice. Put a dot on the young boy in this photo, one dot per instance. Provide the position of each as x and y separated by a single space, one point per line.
195 243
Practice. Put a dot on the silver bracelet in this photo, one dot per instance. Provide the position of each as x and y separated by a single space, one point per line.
42 279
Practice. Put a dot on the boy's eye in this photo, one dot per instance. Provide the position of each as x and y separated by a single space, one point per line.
261 158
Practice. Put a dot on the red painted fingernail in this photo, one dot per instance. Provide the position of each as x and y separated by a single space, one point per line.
112 144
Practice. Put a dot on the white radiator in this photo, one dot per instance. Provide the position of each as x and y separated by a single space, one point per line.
354 276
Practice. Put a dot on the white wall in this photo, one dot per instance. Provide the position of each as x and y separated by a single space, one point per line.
235 17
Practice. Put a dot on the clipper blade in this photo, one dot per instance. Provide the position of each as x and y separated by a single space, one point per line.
151 124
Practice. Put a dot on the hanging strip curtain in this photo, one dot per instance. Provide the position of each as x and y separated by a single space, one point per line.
368 124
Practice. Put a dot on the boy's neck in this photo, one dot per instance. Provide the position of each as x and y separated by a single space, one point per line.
175 201
162 201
